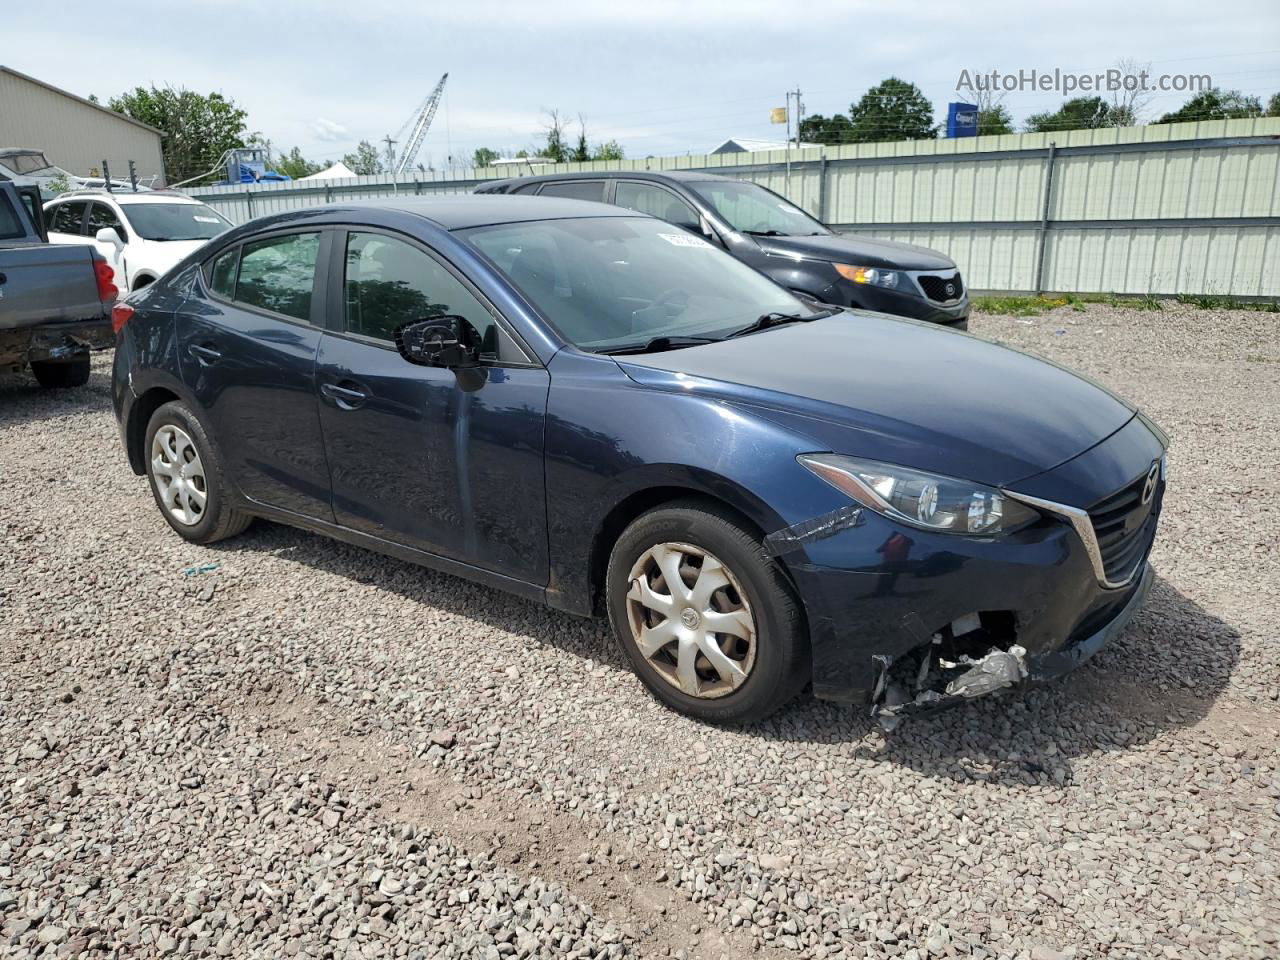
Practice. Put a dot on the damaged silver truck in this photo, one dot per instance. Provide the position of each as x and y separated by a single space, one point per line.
55 301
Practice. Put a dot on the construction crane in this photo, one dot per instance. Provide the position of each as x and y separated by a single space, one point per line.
415 130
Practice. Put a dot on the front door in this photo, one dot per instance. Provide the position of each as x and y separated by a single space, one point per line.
247 345
446 462
101 217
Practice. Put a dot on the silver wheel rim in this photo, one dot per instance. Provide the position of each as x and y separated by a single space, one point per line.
179 475
691 620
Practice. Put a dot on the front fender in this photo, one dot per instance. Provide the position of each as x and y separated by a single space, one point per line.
610 441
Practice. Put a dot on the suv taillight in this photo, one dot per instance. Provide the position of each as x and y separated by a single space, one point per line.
105 275
120 315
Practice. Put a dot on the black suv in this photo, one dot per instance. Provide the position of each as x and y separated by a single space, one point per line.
768 232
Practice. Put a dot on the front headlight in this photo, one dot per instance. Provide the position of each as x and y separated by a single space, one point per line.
923 500
871 276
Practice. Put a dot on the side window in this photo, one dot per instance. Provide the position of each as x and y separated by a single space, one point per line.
10 224
100 216
222 273
656 202
575 190
67 218
278 274
527 188
389 283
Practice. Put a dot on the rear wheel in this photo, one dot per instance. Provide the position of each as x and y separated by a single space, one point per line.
705 617
59 374
187 477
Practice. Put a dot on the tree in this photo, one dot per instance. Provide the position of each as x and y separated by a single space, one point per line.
294 164
198 128
1215 104
483 157
366 161
609 150
816 128
1273 105
994 121
556 147
1134 95
1082 113
581 153
892 110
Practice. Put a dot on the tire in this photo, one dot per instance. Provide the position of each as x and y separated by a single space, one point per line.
775 660
60 374
184 453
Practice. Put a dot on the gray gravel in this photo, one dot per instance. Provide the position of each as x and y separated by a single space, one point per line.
304 749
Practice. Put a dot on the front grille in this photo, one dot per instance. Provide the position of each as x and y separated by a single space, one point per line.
1125 526
935 288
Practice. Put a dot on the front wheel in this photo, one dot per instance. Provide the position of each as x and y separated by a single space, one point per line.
707 620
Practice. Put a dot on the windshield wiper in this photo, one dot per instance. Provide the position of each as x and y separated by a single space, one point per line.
765 321
657 345
766 233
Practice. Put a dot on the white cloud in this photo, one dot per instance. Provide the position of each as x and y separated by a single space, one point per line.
326 131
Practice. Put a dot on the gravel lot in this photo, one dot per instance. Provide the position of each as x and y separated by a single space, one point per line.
310 750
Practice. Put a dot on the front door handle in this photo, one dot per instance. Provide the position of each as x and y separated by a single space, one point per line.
204 353
344 397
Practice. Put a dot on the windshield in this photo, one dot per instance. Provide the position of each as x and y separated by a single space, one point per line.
614 282
175 221
751 208
25 163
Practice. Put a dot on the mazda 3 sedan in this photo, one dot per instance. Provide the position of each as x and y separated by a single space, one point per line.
600 411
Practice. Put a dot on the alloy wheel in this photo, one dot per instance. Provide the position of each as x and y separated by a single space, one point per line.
179 475
691 620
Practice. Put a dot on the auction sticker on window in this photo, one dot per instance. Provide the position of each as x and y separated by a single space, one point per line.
684 240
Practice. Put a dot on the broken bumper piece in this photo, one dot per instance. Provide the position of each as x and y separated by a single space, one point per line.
927 679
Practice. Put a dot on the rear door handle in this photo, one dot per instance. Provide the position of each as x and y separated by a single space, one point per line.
204 353
346 395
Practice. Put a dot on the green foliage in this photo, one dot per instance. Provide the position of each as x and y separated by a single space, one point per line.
994 121
892 110
1273 105
483 157
609 150
1215 104
198 128
295 165
819 129
1081 113
57 184
366 160
556 147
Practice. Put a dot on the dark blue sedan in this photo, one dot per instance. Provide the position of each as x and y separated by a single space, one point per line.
601 411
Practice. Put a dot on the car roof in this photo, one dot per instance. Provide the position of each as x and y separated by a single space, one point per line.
126 196
681 176
459 211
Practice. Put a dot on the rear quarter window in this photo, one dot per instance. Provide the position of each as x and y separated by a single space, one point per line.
222 273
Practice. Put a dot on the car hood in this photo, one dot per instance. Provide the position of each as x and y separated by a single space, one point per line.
860 251
901 392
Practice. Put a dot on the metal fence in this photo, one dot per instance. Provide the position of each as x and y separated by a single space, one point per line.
1190 208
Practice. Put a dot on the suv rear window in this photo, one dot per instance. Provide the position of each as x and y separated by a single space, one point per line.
68 217
575 190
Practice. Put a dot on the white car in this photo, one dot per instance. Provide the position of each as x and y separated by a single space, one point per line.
142 235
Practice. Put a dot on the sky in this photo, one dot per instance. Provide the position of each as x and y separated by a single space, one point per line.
659 76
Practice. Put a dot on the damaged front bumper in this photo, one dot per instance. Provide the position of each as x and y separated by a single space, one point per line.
929 680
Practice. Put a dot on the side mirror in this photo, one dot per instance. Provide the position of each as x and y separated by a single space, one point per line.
448 341
109 235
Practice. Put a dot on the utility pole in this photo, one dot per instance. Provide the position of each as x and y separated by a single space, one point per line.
391 151
799 113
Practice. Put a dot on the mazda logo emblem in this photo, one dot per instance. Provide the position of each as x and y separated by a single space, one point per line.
950 288
1149 488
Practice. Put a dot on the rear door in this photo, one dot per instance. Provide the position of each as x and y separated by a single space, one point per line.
445 461
66 221
247 342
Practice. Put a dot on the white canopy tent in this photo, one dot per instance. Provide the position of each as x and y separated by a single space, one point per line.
339 171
